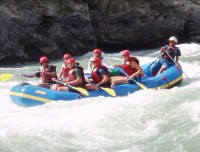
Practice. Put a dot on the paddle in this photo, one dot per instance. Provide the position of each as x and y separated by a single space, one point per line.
141 85
6 76
177 64
79 89
154 61
108 90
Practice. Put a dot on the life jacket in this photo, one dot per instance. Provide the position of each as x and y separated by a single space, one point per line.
127 65
65 70
72 77
96 76
47 78
170 51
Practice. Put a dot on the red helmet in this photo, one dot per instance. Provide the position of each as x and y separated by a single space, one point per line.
66 56
97 51
71 61
97 60
126 53
43 59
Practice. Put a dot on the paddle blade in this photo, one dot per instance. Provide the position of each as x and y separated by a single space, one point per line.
6 77
109 91
142 86
81 90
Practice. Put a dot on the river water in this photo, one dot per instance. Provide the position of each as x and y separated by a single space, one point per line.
165 120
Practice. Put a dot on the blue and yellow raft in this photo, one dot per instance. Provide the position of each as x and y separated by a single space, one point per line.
27 95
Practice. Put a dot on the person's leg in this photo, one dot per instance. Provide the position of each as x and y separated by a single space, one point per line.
45 85
165 64
163 68
54 87
119 80
112 79
155 67
115 77
62 88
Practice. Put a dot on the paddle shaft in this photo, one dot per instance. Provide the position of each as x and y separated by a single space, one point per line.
93 84
177 65
31 74
127 75
153 62
141 85
68 85
108 90
8 76
79 89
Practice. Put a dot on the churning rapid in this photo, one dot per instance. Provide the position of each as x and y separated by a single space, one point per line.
146 121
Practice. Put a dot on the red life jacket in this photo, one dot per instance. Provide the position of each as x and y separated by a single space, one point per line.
47 78
127 65
72 77
96 76
65 70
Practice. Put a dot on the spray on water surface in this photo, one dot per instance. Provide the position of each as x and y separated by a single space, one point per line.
146 121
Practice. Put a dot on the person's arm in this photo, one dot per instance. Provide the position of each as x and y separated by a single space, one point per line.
176 59
139 70
177 54
60 74
119 65
104 75
37 74
90 65
105 79
28 75
75 82
163 49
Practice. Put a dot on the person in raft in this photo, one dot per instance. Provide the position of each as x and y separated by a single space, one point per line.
130 66
64 68
99 74
97 53
75 77
165 62
63 72
46 72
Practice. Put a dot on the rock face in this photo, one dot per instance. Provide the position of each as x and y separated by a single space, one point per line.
31 28
136 23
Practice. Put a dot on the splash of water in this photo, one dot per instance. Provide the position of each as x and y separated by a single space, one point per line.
148 120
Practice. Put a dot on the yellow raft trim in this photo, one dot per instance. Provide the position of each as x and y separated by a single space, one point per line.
29 96
170 83
47 100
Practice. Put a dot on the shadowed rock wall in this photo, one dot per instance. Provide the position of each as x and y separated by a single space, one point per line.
31 28
144 23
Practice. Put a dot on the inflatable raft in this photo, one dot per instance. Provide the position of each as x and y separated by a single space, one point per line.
28 95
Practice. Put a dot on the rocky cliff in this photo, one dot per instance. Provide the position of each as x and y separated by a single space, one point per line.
31 28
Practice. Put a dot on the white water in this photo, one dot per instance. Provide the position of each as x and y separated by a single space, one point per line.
146 121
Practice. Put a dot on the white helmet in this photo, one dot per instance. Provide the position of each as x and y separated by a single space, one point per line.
173 38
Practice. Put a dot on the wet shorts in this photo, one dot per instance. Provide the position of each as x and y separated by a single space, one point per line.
160 63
